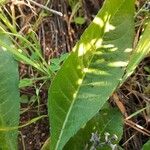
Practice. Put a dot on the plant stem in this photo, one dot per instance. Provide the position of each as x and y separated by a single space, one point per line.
46 8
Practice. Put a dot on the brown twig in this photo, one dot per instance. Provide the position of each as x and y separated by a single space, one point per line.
137 127
46 8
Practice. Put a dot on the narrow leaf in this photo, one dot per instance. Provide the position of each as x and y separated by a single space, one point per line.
92 71
46 144
9 99
142 49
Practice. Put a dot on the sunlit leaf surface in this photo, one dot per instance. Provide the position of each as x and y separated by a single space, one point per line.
92 71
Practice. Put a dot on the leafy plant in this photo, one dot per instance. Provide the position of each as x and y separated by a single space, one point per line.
55 63
99 63
92 71
27 49
82 137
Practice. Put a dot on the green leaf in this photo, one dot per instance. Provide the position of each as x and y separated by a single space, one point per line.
146 146
25 82
54 67
92 71
63 57
9 99
107 120
24 99
55 61
141 50
79 20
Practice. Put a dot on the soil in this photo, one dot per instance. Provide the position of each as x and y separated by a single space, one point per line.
58 35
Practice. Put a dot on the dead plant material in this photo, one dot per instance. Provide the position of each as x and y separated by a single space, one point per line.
137 127
120 104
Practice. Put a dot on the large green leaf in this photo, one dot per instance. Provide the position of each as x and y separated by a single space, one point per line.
92 71
9 99
141 50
